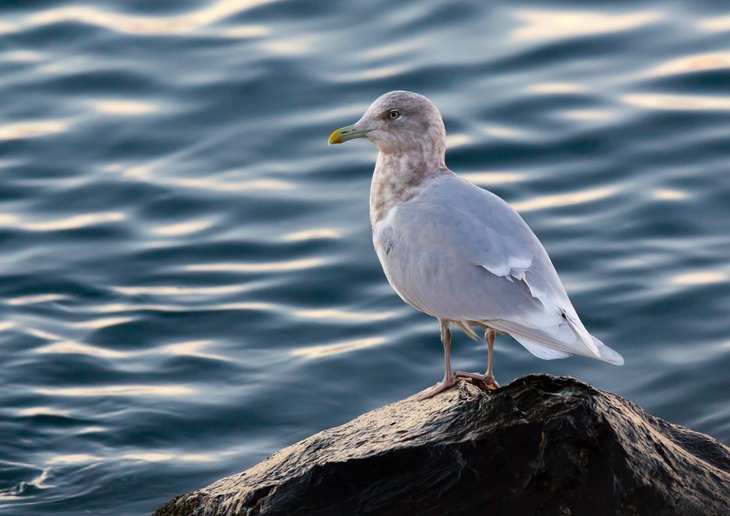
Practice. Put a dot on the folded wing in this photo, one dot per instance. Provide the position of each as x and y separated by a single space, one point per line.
461 253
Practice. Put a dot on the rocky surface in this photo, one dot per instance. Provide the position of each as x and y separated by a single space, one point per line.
541 445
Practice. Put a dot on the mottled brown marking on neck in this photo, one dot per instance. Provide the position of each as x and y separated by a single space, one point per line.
398 178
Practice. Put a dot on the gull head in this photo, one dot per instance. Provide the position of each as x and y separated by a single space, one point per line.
399 122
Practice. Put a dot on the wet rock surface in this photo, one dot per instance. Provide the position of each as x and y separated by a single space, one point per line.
541 445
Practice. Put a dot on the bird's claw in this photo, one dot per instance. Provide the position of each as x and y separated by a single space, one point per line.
483 381
438 388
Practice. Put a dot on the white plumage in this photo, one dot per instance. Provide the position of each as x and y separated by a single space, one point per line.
455 251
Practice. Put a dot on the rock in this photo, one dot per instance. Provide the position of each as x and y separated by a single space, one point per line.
541 445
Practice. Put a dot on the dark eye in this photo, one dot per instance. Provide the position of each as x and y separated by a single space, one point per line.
394 114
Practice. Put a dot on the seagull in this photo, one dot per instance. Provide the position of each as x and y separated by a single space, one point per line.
457 252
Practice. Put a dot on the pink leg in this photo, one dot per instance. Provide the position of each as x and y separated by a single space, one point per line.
449 379
486 379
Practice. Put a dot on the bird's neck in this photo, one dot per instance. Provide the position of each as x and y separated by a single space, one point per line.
398 178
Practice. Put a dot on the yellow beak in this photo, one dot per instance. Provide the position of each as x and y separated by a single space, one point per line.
344 134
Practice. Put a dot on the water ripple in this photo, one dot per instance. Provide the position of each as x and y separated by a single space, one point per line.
140 25
117 390
677 102
69 223
313 352
293 265
540 25
691 64
32 129
189 282
567 199
122 107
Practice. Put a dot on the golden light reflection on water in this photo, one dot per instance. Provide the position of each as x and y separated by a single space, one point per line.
589 115
665 194
699 278
177 290
164 457
58 345
506 133
191 349
64 346
544 25
312 234
241 186
118 390
245 32
7 325
145 25
690 64
92 429
74 222
74 458
555 88
148 457
182 228
493 178
157 307
293 265
198 457
34 129
287 47
21 56
715 24
244 306
342 315
104 322
36 483
122 107
141 172
43 411
69 347
567 199
677 102
35 299
313 352
7 28
457 140
382 72
42 334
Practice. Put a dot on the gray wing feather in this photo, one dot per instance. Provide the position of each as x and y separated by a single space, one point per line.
461 253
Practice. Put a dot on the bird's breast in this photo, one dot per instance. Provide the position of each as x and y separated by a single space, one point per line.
396 180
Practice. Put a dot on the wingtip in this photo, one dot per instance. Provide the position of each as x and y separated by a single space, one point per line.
607 354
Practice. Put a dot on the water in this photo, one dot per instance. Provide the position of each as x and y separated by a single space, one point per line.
188 281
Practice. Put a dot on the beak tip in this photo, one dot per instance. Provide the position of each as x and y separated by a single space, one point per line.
335 137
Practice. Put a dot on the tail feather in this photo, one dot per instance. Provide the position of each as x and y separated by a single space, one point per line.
541 351
546 346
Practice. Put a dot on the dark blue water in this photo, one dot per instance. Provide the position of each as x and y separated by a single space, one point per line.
188 280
